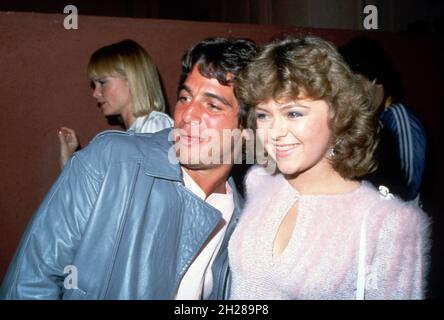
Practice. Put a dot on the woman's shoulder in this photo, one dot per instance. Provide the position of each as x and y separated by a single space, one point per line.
157 115
392 209
155 121
259 182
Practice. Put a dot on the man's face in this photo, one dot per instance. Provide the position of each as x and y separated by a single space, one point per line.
204 112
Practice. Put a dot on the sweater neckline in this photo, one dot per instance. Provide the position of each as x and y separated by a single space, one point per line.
286 198
362 185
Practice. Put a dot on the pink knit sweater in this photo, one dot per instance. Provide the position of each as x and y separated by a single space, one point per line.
321 258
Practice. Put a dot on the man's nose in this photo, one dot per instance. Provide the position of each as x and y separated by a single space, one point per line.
193 113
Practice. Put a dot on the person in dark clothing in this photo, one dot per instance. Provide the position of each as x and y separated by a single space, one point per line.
401 152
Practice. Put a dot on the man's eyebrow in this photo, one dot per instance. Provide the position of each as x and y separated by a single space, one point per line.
207 94
217 97
186 88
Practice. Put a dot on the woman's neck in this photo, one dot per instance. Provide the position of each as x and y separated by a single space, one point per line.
128 119
327 181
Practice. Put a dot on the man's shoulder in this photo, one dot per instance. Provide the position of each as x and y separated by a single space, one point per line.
114 146
128 143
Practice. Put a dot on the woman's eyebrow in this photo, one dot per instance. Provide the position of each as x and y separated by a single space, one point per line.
293 105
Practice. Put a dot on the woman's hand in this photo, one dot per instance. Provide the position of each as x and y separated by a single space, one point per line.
69 143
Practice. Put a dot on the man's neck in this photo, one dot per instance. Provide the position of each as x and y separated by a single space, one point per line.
211 180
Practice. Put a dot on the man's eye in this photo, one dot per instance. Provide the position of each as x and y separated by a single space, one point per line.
214 107
183 99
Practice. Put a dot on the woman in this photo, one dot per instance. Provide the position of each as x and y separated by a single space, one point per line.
313 230
126 84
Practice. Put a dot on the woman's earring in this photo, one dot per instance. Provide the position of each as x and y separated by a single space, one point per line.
331 152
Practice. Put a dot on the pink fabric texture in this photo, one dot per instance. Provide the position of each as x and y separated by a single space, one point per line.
321 258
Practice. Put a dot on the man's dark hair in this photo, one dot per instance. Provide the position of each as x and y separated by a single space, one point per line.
218 57
367 57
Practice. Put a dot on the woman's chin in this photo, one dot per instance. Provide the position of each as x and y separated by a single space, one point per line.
108 113
287 169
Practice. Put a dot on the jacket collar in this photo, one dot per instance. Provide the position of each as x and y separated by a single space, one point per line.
237 198
160 161
159 158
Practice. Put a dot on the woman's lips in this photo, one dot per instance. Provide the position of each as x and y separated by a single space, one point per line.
284 150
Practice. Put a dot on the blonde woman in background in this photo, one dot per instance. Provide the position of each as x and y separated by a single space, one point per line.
126 84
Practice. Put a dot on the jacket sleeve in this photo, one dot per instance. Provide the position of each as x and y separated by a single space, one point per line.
400 263
52 236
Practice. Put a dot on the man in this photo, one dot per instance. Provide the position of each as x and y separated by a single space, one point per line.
125 220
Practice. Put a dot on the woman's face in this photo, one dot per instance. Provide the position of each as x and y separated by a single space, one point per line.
295 134
113 95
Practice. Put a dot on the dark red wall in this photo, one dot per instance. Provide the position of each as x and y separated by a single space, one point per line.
43 85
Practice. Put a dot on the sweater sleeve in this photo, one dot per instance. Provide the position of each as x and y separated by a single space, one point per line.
398 267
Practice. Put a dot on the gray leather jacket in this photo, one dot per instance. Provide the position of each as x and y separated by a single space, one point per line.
120 223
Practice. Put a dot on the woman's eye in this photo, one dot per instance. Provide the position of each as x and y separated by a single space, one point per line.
101 81
261 116
294 114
